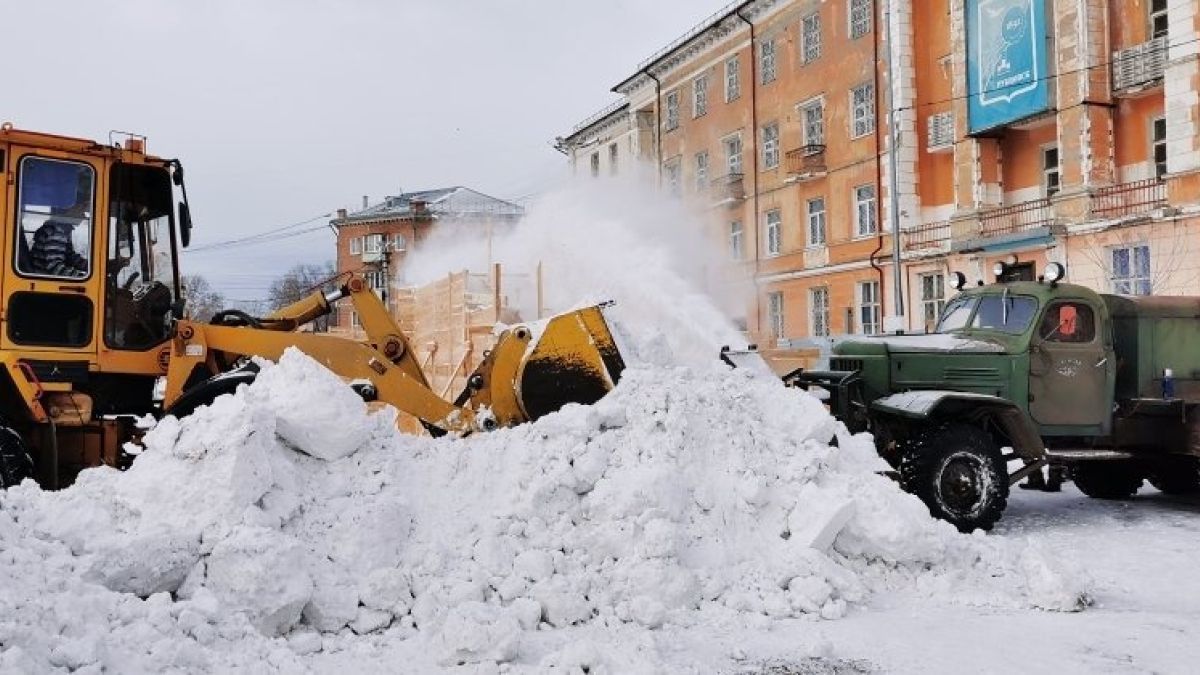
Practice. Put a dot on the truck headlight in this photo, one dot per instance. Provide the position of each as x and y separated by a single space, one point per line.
1055 272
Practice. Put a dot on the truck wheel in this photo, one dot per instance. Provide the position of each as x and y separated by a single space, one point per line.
207 391
958 472
15 463
1107 479
1176 476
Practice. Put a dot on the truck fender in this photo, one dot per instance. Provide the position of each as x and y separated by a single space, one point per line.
970 407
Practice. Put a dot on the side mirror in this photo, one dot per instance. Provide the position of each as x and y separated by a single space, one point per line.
185 224
177 174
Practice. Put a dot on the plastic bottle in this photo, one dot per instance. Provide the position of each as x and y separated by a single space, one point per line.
1168 389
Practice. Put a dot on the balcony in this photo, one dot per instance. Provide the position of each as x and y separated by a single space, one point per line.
1129 199
1140 67
926 238
729 188
805 163
993 227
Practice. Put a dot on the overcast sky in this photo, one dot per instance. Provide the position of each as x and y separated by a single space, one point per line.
283 110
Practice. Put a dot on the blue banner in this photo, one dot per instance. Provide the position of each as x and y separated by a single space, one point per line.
1006 62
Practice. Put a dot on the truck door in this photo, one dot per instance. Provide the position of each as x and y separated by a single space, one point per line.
1070 362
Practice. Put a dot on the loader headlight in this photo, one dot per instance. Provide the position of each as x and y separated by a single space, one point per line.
999 269
1055 272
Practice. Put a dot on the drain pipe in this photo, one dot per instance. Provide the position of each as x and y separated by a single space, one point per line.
754 167
893 164
657 124
878 176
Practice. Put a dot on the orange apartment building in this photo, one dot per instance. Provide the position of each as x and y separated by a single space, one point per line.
376 240
1025 131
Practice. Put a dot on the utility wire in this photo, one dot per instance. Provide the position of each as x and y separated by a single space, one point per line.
271 235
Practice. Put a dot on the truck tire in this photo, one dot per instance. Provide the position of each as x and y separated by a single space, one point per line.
1176 476
1107 479
15 463
207 391
957 470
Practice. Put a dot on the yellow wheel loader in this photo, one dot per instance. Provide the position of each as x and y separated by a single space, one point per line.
92 318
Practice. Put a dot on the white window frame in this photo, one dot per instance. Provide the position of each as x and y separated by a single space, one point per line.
933 297
1160 169
774 229
862 110
866 217
613 152
1129 284
1051 172
673 169
818 311
733 83
700 96
775 319
767 61
770 145
702 177
736 236
356 245
373 243
810 38
859 19
1154 14
671 117
399 242
816 221
869 308
814 134
733 159
355 322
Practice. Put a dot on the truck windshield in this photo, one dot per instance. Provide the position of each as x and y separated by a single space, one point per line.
1005 313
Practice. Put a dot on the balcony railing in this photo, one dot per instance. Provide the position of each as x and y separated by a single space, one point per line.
1023 217
806 161
1127 199
1140 65
927 237
729 187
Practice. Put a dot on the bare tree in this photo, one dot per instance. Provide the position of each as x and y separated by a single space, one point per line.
298 282
202 300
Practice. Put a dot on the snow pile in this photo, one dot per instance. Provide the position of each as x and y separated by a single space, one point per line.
687 497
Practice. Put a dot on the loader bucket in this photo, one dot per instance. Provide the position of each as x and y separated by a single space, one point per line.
537 369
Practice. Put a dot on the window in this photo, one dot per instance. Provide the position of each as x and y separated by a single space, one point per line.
1072 322
1158 139
733 86
595 164
812 115
1050 174
860 18
55 218
816 222
375 280
766 60
775 314
355 322
862 106
774 236
770 145
864 210
933 299
735 240
612 159
673 178
672 121
810 37
700 96
356 245
868 307
701 171
373 243
1010 314
1131 270
399 243
1158 18
733 154
818 312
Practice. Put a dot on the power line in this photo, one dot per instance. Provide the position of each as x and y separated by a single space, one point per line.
271 235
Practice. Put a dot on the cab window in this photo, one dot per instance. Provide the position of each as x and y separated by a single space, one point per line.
1068 322
54 218
140 276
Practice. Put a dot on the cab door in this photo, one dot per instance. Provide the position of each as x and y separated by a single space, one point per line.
1071 369
52 270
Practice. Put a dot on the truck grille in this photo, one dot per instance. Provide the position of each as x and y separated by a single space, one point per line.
971 374
845 364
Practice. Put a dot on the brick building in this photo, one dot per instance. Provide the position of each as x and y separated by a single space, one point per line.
377 240
1025 131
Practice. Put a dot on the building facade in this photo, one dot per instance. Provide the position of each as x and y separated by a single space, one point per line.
1022 131
377 240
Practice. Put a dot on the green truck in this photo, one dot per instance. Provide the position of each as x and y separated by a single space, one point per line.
1021 374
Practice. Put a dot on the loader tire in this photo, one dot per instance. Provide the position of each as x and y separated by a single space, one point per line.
15 463
208 390
1176 476
1107 479
957 470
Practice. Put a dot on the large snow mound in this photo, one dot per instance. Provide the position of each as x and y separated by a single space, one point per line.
287 524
